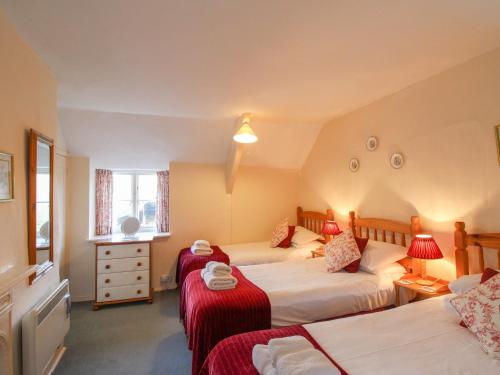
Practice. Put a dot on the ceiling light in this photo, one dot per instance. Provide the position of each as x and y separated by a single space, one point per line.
245 133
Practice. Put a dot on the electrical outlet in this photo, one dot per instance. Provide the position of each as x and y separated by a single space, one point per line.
165 279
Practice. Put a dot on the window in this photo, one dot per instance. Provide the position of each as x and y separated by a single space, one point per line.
134 194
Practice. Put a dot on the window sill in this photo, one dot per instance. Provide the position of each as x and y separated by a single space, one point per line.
119 237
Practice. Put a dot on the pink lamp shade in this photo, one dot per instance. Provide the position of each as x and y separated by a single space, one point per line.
423 246
330 227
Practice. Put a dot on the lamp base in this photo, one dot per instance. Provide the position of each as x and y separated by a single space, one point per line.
425 282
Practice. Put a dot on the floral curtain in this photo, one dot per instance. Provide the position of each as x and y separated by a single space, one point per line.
103 201
162 201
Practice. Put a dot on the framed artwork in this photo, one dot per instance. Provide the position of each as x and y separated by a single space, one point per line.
497 137
397 160
354 164
371 143
6 177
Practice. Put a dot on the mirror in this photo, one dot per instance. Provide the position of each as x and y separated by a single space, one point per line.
41 177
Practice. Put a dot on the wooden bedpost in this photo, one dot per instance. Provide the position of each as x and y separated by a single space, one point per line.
461 255
352 221
416 226
300 217
329 214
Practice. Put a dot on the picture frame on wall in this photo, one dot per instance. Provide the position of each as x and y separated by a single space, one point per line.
497 137
6 177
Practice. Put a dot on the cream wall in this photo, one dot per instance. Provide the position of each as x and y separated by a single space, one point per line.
444 127
27 100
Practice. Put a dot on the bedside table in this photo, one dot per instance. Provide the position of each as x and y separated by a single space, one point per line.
318 253
440 287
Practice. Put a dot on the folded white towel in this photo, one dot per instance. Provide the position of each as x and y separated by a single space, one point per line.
202 243
201 251
286 345
219 282
218 268
214 273
261 359
305 362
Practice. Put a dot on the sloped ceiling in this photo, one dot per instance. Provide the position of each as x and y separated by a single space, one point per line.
171 77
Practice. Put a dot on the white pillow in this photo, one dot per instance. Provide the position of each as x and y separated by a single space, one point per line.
378 255
303 236
394 271
464 283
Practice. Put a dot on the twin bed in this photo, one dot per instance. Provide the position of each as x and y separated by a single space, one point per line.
292 292
419 338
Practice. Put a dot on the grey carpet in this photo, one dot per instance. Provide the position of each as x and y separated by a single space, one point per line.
127 339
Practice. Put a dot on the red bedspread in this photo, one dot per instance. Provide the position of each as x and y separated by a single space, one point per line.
211 316
187 262
234 354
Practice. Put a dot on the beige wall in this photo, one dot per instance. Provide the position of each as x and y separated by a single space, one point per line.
444 127
27 100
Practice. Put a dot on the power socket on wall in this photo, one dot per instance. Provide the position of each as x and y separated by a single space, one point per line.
164 279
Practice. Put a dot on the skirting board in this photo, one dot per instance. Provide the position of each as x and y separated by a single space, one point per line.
51 366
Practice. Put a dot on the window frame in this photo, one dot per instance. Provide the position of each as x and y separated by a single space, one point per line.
135 197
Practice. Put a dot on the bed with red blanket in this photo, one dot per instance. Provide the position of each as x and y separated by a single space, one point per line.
187 262
234 354
211 316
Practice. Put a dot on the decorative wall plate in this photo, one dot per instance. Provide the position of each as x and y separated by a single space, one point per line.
397 160
130 226
371 143
354 164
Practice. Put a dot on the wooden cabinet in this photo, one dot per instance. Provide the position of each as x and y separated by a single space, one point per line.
123 273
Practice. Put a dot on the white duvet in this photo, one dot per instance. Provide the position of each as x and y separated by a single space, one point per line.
260 252
304 292
419 338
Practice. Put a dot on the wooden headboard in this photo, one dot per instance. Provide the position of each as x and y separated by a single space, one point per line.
481 240
313 220
386 230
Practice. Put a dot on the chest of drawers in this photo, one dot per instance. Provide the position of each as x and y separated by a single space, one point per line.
123 273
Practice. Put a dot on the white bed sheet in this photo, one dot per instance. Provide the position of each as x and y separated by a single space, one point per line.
304 292
420 338
243 254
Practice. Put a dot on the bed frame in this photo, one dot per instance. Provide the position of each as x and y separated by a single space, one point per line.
386 230
313 220
465 264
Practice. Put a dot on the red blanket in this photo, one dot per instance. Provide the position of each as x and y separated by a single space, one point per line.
187 262
234 354
211 316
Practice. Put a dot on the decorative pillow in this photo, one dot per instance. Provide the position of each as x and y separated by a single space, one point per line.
279 233
287 242
464 283
479 308
354 266
487 274
341 251
380 254
303 236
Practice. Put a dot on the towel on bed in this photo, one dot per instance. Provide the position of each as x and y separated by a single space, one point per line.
286 345
217 269
204 243
261 358
305 362
219 282
201 250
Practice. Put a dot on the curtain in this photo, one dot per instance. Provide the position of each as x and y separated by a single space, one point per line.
103 202
162 201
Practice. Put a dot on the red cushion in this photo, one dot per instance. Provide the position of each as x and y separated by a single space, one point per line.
354 266
287 242
487 274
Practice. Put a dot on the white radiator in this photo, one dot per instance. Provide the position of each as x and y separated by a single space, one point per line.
44 328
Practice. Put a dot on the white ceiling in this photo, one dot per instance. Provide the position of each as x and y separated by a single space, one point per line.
196 65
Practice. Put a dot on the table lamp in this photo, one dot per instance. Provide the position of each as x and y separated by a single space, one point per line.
424 247
330 228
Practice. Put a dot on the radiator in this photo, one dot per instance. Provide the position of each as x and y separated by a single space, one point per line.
44 329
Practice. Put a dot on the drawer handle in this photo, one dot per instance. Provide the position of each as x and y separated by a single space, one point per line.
139 250
139 264
108 252
107 281
107 266
107 295
139 277
139 291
